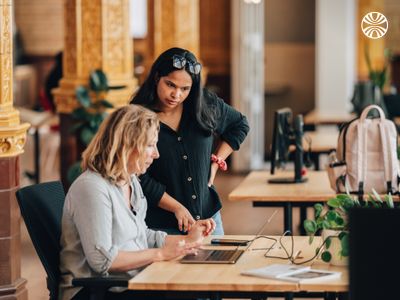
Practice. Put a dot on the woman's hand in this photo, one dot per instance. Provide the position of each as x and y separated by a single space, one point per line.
185 219
213 172
201 229
174 248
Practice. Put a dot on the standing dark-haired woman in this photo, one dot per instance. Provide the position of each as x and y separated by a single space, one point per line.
179 185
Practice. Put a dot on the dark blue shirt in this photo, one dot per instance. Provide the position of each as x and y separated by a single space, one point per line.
183 168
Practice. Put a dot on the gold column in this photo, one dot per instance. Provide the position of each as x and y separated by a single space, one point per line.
176 24
12 141
96 37
376 47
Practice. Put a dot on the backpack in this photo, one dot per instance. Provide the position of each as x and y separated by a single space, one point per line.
366 156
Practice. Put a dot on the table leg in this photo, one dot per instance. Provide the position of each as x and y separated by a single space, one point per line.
289 296
215 296
303 216
330 296
288 217
37 155
315 160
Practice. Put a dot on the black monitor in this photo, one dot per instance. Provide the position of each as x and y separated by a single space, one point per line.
374 245
287 132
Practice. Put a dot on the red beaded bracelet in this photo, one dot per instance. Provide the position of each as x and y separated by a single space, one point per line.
220 162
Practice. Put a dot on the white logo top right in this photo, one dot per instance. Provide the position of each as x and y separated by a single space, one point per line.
374 25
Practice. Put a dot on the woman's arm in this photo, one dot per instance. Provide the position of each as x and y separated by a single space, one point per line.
182 214
129 260
231 126
174 246
223 150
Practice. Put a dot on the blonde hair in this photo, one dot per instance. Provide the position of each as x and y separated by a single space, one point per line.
125 130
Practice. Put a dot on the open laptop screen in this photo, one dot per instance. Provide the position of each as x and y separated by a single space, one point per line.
374 253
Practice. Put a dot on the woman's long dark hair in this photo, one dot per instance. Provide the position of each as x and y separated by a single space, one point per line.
202 112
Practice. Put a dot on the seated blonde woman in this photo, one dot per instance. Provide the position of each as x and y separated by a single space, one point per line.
103 224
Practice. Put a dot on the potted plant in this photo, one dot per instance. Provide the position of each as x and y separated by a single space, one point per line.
89 115
332 220
378 76
371 91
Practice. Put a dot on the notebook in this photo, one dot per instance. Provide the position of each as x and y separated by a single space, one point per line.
218 256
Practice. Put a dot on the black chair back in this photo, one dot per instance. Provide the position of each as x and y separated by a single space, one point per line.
374 249
41 208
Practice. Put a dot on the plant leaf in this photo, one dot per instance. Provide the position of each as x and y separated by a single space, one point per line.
325 224
105 103
344 241
328 242
80 114
377 196
82 94
98 81
367 58
389 200
334 202
86 135
340 221
374 203
310 226
318 207
326 256
76 127
332 216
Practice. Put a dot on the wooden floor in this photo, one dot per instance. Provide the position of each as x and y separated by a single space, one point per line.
238 218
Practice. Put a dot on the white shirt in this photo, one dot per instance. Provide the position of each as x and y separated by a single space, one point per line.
96 224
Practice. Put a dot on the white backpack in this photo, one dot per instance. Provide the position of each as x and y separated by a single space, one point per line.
366 156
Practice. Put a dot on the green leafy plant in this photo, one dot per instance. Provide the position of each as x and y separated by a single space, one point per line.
335 217
91 112
378 77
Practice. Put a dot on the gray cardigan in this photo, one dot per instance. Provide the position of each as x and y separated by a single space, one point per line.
96 224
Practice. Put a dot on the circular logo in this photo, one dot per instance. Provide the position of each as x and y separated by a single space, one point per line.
374 25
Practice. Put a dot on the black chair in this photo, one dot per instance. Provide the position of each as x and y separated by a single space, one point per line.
374 249
41 208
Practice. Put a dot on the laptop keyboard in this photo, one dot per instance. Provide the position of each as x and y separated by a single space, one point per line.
208 256
221 255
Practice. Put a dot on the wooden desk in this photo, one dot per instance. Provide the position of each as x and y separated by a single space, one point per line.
37 120
323 140
315 117
217 281
255 188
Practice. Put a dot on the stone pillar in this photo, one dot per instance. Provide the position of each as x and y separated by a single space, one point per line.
248 79
12 141
96 37
335 63
176 24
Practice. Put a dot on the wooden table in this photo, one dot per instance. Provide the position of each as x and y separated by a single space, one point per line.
37 120
255 188
217 281
323 140
316 117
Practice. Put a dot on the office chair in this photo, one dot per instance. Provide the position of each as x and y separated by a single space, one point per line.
374 251
41 208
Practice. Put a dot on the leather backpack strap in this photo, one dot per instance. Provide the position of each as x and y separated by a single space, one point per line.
361 156
387 159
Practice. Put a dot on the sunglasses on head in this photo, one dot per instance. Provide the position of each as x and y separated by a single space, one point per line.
179 62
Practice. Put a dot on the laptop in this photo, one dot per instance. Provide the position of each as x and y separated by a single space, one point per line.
374 262
218 256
